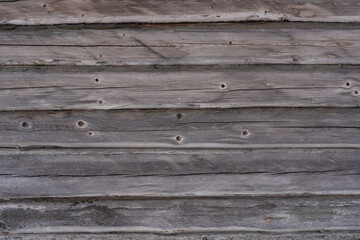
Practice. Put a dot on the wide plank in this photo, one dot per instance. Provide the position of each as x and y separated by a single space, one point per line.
138 162
171 216
156 11
205 185
180 45
231 128
62 88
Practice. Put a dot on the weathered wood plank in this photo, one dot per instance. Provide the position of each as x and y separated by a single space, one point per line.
232 128
171 45
186 185
331 235
53 88
110 11
166 216
134 162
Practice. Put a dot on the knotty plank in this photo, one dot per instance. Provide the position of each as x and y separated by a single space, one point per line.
110 11
55 88
183 45
166 216
137 162
232 128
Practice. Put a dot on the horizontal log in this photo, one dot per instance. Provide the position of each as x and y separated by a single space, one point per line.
110 11
149 173
170 216
180 45
232 128
61 88
250 184
135 162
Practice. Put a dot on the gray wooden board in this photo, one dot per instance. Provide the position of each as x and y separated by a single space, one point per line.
332 235
111 11
54 88
232 128
87 172
166 216
135 162
183 185
178 44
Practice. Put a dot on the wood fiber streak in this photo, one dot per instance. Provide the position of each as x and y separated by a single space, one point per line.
156 11
61 88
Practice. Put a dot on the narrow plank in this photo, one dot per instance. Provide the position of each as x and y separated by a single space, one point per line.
232 128
345 235
110 11
184 45
137 162
62 88
186 185
169 216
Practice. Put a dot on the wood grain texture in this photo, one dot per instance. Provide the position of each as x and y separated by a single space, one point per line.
331 235
175 122
205 185
156 11
135 162
173 45
135 173
232 128
171 216
61 88
149 173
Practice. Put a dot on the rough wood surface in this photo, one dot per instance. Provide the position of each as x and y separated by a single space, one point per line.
135 162
171 45
139 173
331 235
60 88
247 184
232 128
175 122
166 216
111 11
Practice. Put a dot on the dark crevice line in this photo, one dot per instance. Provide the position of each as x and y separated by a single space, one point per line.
181 174
257 24
190 108
305 195
178 147
161 64
187 231
214 89
173 45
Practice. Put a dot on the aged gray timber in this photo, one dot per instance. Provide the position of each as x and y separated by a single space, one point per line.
60 88
172 45
185 185
324 235
111 11
232 128
253 172
179 120
166 216
135 162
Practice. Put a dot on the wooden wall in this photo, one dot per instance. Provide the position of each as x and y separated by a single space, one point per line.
165 119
